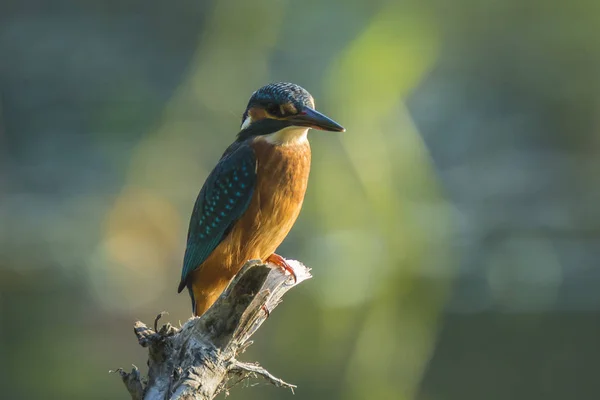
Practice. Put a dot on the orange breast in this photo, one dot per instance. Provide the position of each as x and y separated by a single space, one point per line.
282 178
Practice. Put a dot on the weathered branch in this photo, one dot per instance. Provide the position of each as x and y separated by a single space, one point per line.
199 361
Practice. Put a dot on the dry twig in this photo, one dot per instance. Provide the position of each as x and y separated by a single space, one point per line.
197 361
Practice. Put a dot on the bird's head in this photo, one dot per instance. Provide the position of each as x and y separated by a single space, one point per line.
282 113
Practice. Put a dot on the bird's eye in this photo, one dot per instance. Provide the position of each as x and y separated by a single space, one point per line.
273 109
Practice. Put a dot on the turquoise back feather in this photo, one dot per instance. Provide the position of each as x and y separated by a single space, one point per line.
223 199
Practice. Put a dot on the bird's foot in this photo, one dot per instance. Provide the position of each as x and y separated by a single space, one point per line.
266 310
280 261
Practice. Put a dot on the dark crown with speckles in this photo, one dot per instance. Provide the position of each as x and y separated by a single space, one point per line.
280 93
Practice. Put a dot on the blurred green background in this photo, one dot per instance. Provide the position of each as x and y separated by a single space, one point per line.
453 230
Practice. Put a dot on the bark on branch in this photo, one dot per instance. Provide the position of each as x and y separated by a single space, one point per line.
198 361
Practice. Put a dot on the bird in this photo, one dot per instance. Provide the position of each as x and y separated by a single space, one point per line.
253 196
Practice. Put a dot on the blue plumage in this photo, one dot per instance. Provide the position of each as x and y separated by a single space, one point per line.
223 199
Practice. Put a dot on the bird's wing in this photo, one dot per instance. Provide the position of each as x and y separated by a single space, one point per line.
223 199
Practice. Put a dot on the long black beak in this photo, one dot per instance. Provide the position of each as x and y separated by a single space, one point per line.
314 119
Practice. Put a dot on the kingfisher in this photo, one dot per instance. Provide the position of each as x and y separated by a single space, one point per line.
253 196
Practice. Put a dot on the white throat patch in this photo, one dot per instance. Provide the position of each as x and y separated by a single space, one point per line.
246 123
290 136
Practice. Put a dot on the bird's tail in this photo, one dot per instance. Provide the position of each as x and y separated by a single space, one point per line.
182 285
201 305
189 287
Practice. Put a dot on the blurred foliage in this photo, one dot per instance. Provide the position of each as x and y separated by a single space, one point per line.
452 230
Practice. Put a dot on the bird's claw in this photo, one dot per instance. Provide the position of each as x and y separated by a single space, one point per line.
266 310
280 261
